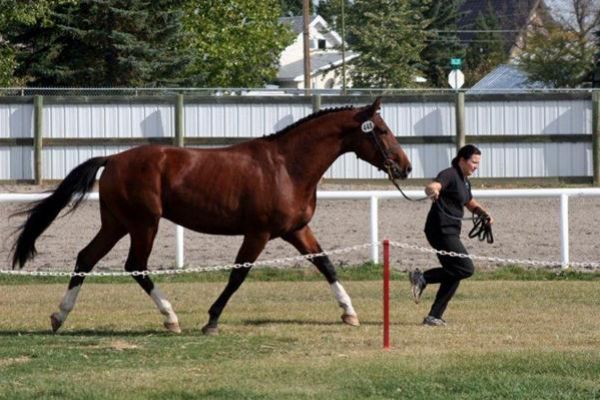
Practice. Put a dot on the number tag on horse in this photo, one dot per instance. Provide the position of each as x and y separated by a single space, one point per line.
367 126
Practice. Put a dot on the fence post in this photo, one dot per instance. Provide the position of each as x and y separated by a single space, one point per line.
596 136
179 133
180 142
459 108
564 230
374 230
38 128
316 102
179 251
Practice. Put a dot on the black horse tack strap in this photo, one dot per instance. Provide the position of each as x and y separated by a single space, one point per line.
482 229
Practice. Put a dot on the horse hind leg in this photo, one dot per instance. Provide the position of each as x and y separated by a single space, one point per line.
306 243
137 260
109 234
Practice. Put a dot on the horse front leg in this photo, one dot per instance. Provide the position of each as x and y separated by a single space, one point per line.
251 248
306 243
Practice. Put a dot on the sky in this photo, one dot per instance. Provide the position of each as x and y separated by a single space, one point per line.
564 8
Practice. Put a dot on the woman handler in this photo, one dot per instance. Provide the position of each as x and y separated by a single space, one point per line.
450 192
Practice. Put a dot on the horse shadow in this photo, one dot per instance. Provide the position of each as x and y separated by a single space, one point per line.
108 333
274 321
90 333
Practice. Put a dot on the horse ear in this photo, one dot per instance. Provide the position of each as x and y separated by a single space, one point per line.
373 108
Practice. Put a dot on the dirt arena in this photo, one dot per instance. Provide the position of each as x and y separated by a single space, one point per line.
525 229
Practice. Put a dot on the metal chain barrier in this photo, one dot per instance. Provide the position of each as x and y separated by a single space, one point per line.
498 260
282 263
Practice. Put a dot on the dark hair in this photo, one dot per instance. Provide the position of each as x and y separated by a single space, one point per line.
465 152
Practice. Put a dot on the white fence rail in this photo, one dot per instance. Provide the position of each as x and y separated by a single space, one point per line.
375 196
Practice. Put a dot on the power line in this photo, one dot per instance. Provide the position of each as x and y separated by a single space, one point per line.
475 31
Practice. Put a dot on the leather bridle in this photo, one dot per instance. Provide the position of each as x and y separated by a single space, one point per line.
391 167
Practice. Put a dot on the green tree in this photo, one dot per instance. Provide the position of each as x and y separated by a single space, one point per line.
442 42
487 48
237 43
292 8
389 36
15 13
558 57
331 11
103 43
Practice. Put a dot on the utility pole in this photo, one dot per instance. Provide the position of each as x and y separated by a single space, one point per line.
306 40
343 49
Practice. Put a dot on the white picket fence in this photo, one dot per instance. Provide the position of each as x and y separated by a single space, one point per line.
375 196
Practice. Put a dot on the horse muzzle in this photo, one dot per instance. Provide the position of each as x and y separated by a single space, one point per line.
395 171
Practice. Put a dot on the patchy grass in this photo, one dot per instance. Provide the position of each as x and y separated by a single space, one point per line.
283 340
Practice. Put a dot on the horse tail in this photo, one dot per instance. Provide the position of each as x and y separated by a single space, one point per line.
41 214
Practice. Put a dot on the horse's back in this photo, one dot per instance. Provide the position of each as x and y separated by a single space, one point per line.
223 190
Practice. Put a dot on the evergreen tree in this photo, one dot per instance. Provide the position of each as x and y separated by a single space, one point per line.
15 14
388 35
237 43
442 42
104 43
292 8
487 48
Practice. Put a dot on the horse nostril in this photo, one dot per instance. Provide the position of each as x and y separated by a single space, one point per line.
409 169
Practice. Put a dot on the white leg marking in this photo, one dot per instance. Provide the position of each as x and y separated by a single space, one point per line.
67 303
342 298
164 306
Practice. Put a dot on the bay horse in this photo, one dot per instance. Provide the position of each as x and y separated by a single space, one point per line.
263 188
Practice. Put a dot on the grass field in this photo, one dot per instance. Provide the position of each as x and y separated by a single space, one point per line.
525 336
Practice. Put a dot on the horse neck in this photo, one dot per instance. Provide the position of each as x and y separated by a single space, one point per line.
311 148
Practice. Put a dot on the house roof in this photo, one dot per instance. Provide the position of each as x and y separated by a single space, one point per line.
506 77
297 23
321 61
316 21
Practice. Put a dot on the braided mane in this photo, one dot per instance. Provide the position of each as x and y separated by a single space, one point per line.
310 117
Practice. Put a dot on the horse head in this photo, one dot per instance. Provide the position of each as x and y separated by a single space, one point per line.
374 142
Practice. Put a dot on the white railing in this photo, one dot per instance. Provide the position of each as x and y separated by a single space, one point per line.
374 196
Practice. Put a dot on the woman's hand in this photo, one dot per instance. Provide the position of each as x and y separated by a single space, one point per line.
476 208
432 190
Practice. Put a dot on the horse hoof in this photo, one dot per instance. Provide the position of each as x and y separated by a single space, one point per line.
351 320
55 322
210 330
173 327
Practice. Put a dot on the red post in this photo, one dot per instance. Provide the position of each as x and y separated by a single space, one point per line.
386 294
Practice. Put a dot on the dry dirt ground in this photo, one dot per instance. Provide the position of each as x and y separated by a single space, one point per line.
525 229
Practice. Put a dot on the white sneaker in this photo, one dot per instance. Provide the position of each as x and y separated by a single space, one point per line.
433 321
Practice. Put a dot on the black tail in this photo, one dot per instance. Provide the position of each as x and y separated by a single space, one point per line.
41 214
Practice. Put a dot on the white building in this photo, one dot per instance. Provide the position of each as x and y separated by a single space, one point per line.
326 58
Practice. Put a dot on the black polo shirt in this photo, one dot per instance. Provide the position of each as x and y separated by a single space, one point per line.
455 193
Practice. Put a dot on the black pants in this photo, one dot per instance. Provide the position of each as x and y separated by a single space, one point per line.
453 270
